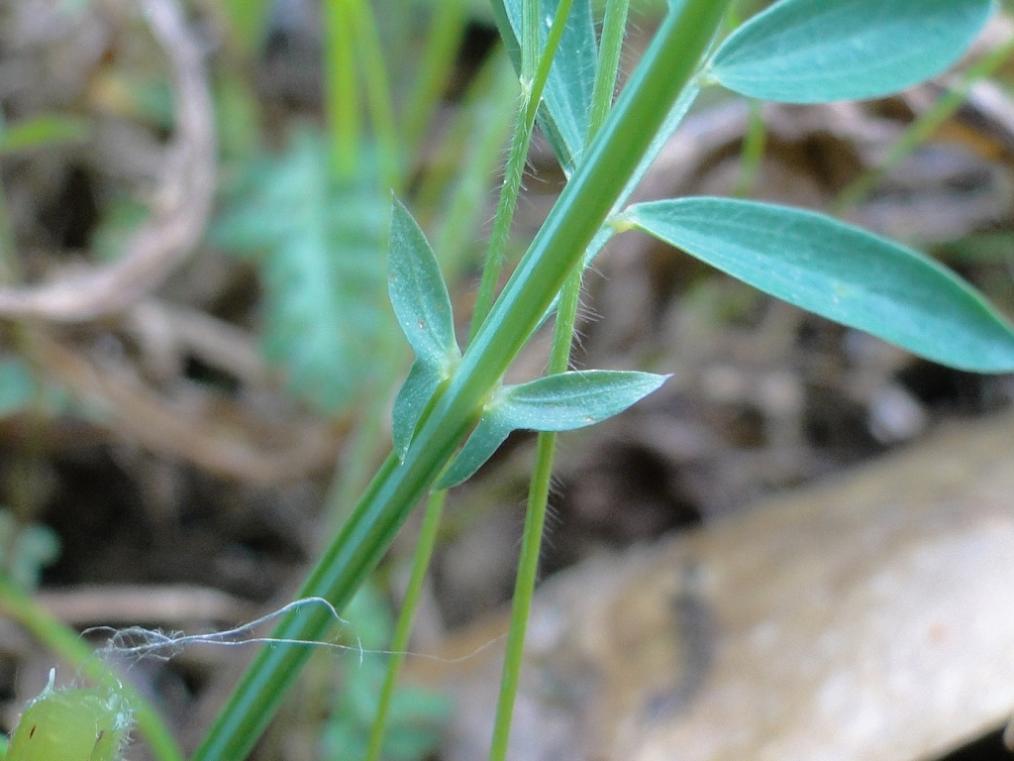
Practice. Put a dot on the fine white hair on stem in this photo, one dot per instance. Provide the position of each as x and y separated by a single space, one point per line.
139 642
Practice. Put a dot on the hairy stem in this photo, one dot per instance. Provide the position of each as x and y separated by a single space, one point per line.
535 521
533 79
665 69
559 361
614 25
403 629
521 139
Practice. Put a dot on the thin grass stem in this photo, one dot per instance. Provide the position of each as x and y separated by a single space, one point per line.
559 360
505 211
521 138
535 522
378 95
614 26
427 540
444 34
665 69
341 93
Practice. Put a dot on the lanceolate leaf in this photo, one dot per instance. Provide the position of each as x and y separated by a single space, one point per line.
561 402
418 293
814 51
423 307
568 94
840 272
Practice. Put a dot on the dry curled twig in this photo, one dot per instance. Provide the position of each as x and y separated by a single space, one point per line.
217 444
180 213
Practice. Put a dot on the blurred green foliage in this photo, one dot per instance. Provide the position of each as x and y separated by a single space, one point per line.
317 243
416 716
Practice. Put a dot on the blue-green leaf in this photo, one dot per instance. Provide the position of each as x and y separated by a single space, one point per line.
840 272
560 402
418 293
423 307
568 94
815 51
410 403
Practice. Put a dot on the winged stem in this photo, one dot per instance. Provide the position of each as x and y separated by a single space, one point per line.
665 69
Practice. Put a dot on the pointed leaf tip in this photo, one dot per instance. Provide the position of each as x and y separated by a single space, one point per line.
423 307
560 402
418 292
840 272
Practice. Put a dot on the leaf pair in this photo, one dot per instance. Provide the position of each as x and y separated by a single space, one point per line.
560 402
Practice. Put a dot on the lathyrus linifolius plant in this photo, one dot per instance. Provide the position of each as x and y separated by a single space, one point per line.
800 51
453 409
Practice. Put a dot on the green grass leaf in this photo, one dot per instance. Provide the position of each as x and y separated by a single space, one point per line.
815 51
45 131
840 272
560 402
568 96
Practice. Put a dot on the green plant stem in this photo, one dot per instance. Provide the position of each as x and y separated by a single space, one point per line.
533 82
752 155
614 24
247 22
484 131
922 129
355 464
378 95
529 40
535 521
71 648
533 87
9 270
559 360
443 36
3 747
665 69
517 155
403 629
341 93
